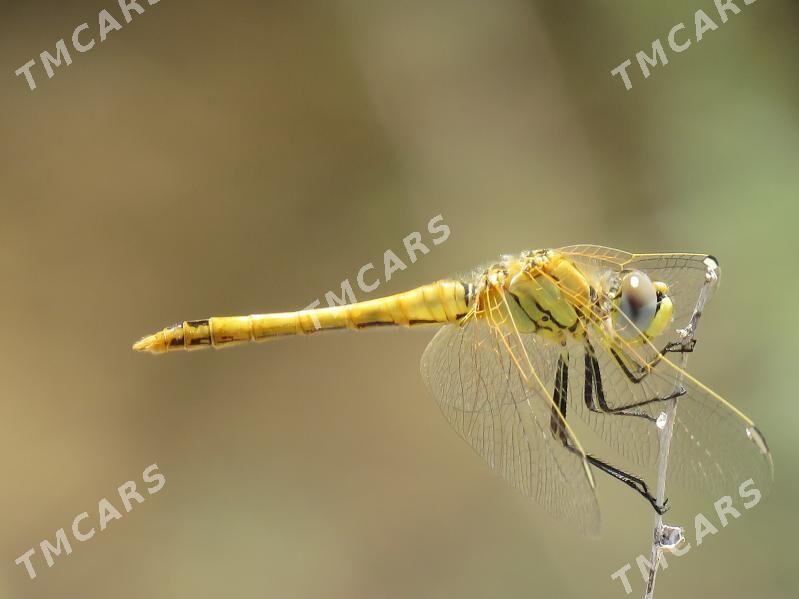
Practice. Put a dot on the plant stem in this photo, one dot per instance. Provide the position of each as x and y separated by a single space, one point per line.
666 537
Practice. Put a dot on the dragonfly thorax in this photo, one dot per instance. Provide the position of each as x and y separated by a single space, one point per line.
539 292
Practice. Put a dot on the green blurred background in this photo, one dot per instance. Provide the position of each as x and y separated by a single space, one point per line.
237 157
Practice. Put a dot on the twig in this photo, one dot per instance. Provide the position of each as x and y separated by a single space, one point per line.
666 537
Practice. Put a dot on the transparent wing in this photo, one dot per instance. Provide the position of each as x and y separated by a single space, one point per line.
683 273
597 255
714 445
636 438
489 387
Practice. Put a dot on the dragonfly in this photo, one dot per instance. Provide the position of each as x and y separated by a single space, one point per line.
532 339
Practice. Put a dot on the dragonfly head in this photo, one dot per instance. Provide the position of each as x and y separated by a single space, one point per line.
641 306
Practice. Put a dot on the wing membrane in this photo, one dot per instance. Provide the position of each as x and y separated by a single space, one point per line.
714 444
493 396
683 273
492 385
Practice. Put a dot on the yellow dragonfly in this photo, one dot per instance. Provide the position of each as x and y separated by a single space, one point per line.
537 336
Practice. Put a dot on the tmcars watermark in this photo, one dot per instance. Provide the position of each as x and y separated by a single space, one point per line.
702 24
106 512
81 40
414 248
749 495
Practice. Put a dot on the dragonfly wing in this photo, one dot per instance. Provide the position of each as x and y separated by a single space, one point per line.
714 446
685 274
636 438
597 255
490 388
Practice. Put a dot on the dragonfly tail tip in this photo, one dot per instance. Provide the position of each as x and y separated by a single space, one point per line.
154 344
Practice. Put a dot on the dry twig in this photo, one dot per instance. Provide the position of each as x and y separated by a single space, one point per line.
667 537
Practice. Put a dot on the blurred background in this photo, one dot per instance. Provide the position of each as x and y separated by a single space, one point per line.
223 158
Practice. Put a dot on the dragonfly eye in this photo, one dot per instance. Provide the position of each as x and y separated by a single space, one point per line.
638 301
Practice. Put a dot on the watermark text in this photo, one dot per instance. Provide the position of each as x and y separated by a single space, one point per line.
725 511
368 280
82 40
679 39
106 512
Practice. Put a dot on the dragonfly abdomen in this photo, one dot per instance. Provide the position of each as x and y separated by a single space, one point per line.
437 303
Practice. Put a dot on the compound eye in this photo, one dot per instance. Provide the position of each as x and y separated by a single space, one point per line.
638 301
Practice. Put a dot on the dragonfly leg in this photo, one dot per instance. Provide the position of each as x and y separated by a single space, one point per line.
676 347
679 347
560 396
593 384
631 481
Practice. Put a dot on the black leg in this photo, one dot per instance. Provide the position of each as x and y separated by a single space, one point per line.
559 396
634 377
631 481
642 371
675 347
593 383
588 368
